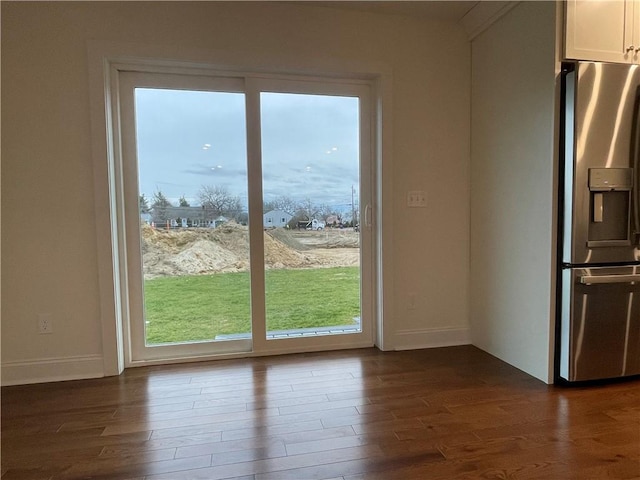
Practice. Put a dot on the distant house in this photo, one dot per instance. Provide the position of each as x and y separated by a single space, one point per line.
332 220
185 217
276 218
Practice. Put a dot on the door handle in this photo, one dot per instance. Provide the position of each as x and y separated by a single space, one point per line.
608 279
367 215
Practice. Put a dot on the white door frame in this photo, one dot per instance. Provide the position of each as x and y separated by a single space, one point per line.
105 60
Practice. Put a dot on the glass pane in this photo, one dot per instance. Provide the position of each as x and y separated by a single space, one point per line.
311 184
191 148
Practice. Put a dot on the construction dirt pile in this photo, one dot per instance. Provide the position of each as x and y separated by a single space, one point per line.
196 251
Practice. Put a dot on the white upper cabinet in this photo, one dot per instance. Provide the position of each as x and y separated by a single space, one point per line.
603 30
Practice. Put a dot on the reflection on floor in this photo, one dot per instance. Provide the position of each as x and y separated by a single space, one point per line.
435 414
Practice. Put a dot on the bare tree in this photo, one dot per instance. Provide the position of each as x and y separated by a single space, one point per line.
219 201
326 211
284 203
234 210
308 209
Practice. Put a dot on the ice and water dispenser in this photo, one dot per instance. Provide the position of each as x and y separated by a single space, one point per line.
610 193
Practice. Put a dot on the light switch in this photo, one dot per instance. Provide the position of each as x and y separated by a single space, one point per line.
416 198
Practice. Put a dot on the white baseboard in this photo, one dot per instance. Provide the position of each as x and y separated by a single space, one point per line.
91 366
431 338
52 370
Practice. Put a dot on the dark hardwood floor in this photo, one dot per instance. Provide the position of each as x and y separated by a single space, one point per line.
449 413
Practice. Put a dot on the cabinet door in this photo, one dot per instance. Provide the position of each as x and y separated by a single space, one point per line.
633 22
600 30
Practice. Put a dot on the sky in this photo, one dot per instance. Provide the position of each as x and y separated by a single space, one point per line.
187 139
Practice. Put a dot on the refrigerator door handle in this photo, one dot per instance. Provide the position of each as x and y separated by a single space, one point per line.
605 279
635 155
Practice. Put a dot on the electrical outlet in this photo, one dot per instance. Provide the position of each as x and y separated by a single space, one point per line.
45 323
416 198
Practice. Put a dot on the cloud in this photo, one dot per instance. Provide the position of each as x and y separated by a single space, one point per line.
189 139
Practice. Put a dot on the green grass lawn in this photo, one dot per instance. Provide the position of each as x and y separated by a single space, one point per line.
199 307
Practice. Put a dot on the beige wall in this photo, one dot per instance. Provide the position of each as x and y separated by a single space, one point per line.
48 228
512 193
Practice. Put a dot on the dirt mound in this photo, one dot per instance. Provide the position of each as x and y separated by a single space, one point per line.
287 237
343 240
204 256
211 250
279 255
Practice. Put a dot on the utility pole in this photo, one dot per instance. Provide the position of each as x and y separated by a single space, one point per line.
353 208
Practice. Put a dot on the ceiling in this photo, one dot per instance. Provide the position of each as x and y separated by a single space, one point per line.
451 10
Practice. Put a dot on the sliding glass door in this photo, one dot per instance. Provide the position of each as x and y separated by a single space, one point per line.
311 180
244 199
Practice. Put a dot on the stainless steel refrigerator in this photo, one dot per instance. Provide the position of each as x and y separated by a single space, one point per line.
599 277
